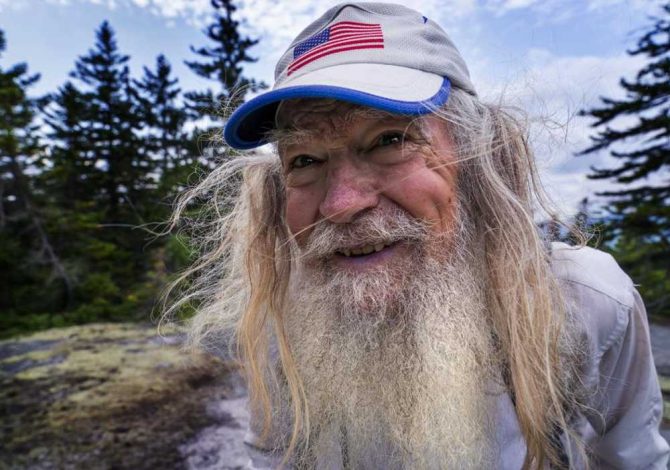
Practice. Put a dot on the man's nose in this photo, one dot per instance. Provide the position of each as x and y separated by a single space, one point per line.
350 190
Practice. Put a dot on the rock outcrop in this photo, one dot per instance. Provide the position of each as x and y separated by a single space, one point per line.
107 396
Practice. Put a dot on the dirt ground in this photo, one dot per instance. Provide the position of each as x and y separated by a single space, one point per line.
104 397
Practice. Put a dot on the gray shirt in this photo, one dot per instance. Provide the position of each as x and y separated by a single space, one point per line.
621 430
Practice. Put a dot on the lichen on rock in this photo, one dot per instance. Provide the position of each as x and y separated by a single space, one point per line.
104 396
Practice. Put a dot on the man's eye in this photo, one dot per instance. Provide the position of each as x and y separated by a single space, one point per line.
390 138
302 161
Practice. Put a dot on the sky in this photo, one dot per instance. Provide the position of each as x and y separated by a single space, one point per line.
549 58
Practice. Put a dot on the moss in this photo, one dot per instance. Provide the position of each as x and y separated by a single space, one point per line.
105 331
120 398
33 356
665 384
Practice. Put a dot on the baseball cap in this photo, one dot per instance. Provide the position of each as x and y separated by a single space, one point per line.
380 55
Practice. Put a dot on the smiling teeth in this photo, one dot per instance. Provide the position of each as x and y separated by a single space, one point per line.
366 250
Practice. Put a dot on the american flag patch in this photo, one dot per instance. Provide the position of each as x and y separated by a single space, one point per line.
338 37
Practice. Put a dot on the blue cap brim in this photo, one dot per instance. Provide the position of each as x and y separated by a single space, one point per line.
248 126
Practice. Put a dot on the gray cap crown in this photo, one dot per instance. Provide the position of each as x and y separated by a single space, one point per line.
379 55
410 40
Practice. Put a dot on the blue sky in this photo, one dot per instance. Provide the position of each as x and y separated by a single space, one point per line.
549 57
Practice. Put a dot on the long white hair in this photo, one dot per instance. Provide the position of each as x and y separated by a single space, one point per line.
240 280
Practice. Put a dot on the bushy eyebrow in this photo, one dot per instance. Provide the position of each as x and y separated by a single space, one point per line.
288 136
291 134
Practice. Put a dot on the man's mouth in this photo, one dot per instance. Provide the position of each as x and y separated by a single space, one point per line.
363 250
366 257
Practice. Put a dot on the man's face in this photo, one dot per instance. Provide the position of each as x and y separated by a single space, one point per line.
353 162
392 346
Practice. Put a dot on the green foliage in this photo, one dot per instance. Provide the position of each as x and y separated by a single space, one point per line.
640 261
112 122
223 63
28 255
178 253
81 196
638 221
166 140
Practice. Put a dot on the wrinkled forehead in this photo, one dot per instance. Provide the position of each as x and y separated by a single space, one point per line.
301 119
305 113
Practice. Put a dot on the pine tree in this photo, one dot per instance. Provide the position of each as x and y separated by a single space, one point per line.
71 177
28 256
223 63
639 212
113 127
103 179
163 115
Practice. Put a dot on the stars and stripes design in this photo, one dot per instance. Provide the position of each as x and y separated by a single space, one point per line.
339 37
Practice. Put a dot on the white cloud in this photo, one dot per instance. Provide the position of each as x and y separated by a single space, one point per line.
262 12
192 10
503 6
278 22
560 10
552 90
13 4
643 5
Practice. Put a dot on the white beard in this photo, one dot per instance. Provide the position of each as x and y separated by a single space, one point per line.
401 380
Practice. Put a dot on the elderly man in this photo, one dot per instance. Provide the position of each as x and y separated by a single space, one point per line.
384 284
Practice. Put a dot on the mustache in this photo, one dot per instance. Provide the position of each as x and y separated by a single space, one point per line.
377 226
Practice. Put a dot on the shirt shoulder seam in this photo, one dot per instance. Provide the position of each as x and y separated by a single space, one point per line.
599 291
622 320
